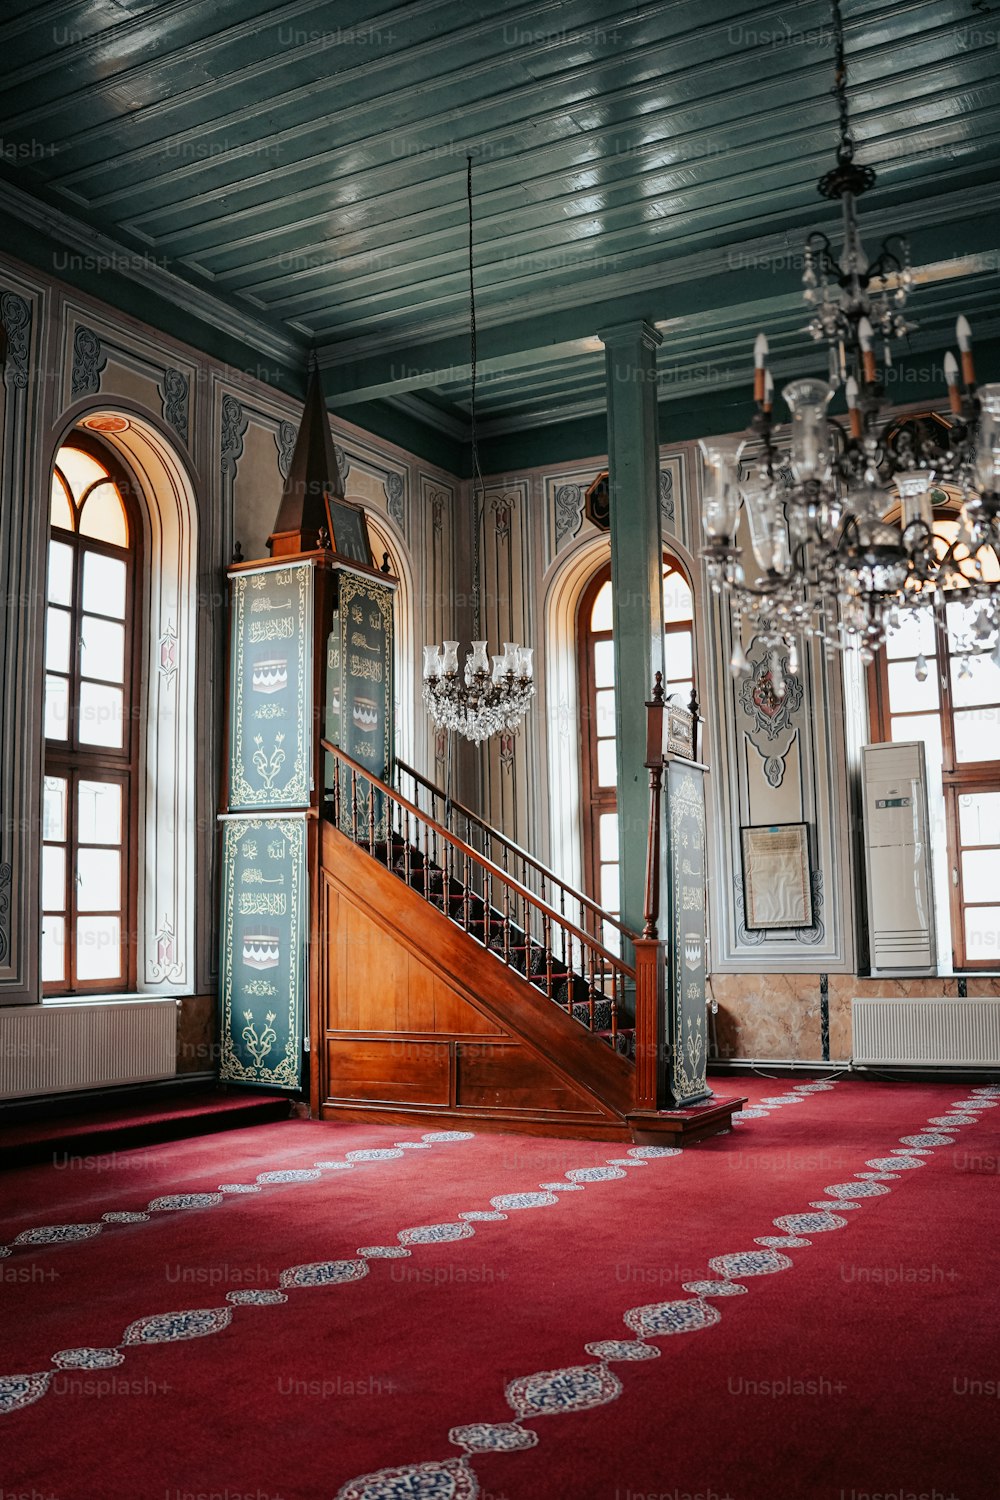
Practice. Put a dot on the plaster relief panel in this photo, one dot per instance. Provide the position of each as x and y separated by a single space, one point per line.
566 521
257 488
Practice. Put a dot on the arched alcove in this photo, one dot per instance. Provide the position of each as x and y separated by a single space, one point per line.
167 825
562 598
566 586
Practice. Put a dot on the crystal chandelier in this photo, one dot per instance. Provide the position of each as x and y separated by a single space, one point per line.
480 701
825 560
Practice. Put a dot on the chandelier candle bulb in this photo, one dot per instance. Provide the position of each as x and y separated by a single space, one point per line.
853 411
477 660
760 350
721 503
963 334
915 498
450 662
988 446
807 401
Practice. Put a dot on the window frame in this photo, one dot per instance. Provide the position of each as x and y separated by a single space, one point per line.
595 799
74 761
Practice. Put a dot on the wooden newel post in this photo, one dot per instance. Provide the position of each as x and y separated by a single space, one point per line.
649 991
654 764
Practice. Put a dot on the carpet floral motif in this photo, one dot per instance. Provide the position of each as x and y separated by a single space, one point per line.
58 1234
171 1328
576 1388
324 1273
526 1200
435 1234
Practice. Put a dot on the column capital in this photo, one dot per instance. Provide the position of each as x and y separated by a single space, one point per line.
638 331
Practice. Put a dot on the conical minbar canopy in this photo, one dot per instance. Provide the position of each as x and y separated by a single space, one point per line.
313 474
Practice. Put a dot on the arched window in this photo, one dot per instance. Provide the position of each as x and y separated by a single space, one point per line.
937 681
599 719
92 660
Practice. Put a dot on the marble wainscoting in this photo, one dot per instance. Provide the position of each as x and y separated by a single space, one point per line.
767 1015
197 1034
779 1016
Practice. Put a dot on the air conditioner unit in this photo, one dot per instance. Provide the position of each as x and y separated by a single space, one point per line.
898 858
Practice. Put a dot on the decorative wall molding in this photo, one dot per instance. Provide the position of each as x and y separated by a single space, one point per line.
235 422
163 964
569 504
667 495
284 441
772 730
20 634
167 647
5 874
394 490
502 508
89 361
563 493
811 788
15 314
174 395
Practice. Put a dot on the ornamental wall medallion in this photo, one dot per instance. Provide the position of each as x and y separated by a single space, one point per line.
771 730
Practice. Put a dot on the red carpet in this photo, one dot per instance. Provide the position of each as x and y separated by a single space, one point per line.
863 1367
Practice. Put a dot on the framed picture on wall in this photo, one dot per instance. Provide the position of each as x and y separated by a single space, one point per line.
777 890
349 531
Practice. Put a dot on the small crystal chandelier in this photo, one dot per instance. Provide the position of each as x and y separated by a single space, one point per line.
480 701
825 561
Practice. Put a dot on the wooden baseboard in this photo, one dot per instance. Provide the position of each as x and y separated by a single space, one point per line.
512 1122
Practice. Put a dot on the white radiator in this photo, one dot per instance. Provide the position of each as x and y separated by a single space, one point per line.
927 1032
56 1049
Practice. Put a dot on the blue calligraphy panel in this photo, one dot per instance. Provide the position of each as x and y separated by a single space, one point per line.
360 672
270 701
263 969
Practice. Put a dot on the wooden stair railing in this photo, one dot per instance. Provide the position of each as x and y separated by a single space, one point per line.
565 962
528 871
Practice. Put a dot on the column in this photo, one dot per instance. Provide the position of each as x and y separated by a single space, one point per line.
636 581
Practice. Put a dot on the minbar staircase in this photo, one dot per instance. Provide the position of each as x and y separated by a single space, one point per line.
457 979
